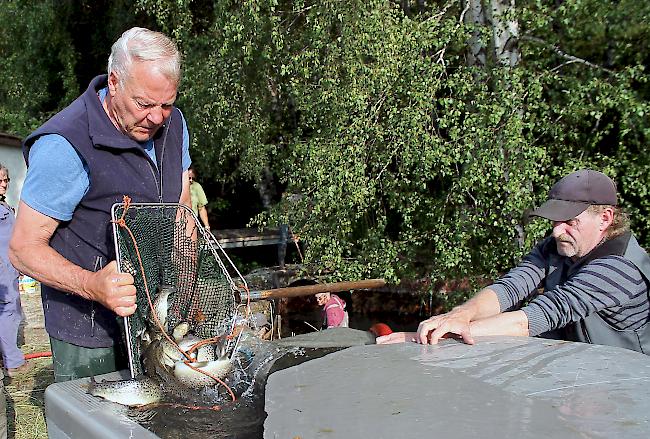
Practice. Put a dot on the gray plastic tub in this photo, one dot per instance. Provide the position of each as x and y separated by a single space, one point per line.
500 388
71 413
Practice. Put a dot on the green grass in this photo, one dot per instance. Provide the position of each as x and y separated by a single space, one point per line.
26 398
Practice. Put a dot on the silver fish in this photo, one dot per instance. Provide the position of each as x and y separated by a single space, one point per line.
181 331
170 354
134 393
195 379
161 306
218 367
166 363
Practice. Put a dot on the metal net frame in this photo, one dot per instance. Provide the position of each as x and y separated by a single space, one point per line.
168 243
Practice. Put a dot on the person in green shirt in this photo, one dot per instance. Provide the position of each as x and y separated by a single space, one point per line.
199 200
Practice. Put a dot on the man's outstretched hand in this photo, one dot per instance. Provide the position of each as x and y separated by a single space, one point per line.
455 324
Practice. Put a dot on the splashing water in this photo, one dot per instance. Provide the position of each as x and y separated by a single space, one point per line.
254 360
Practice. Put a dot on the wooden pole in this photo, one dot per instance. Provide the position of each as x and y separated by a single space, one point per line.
309 290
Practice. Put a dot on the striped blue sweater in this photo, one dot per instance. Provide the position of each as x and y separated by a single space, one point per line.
610 285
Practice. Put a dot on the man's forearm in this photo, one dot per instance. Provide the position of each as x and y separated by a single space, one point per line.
203 214
457 321
31 254
513 323
44 264
185 197
484 304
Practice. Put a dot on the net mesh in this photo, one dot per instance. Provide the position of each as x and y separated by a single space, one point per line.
175 253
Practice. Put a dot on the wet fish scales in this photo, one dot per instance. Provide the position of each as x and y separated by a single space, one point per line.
161 306
194 379
134 393
164 362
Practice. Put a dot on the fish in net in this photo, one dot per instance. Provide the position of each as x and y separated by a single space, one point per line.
178 268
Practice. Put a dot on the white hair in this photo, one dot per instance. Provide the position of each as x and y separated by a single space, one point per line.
140 44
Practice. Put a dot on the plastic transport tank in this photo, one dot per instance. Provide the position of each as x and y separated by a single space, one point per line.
71 413
501 387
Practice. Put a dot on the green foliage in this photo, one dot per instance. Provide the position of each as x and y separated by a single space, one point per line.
50 50
405 162
36 64
594 114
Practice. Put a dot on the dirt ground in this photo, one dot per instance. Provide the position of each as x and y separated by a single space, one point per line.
25 393
34 328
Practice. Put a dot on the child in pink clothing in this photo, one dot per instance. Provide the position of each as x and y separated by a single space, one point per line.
334 309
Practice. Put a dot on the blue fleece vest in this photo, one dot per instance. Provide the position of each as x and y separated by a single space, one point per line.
117 166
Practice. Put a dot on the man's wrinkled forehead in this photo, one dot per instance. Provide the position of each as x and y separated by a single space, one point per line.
146 83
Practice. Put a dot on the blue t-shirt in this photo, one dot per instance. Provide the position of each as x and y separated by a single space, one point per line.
57 177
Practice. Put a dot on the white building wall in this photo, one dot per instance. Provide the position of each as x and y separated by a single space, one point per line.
11 156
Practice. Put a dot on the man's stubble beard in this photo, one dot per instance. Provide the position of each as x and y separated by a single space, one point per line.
566 246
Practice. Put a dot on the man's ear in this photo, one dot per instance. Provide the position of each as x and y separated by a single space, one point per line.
606 218
113 81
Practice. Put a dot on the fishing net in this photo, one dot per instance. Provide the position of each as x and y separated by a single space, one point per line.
165 248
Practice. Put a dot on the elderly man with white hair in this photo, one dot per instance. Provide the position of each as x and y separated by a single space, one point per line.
123 135
586 282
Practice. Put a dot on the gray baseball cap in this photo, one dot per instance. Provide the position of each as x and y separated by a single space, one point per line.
574 193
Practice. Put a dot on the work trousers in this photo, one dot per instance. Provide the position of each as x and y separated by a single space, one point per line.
71 361
11 315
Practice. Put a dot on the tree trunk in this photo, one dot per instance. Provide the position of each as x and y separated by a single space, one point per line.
505 32
266 188
505 42
503 51
475 16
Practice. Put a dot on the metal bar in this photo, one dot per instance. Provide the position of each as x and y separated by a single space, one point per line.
308 290
118 259
248 243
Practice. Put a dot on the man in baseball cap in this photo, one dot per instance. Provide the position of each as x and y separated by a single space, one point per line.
569 199
593 275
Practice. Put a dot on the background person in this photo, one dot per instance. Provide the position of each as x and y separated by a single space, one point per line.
199 200
593 273
126 137
11 313
334 313
10 309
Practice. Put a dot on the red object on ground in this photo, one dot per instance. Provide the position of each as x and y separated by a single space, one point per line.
380 329
37 355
